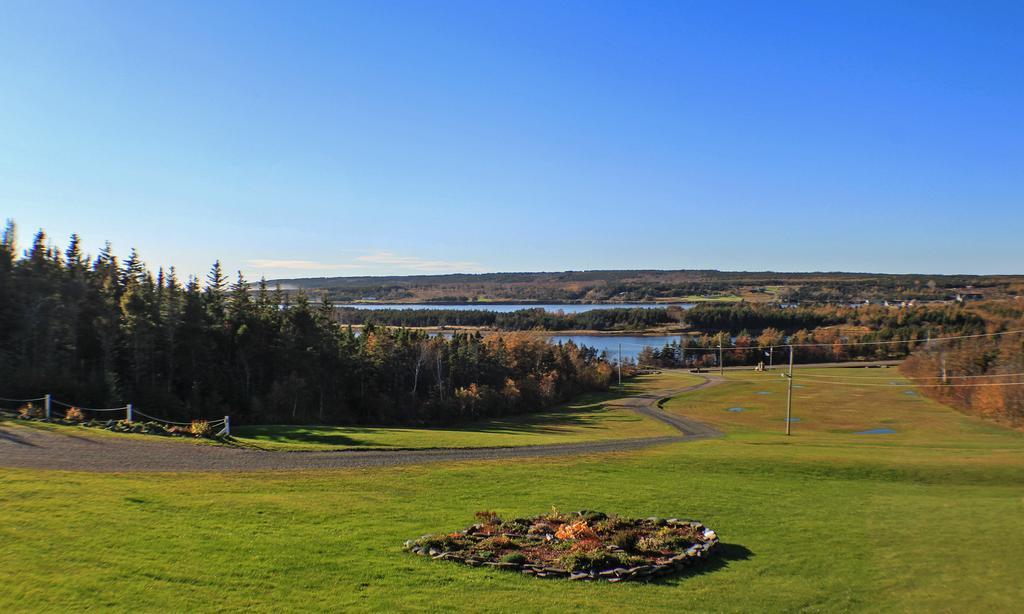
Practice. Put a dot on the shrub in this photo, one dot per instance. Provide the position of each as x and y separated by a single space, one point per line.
542 527
519 526
554 515
29 410
626 540
446 543
155 428
612 525
650 544
488 518
498 542
664 539
200 428
575 530
74 414
516 558
587 561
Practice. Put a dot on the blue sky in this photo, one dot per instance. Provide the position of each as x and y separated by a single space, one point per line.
306 139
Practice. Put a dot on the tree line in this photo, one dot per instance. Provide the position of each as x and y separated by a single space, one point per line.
639 285
844 334
636 318
736 322
102 332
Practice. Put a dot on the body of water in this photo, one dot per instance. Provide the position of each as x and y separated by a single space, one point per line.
631 345
508 308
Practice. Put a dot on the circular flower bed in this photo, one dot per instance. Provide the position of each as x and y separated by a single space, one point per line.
582 545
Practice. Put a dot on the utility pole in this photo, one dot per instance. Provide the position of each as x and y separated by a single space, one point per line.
620 366
721 363
789 395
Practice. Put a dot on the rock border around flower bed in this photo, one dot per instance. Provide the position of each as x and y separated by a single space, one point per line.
654 546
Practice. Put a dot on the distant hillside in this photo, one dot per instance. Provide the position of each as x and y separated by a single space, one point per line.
652 285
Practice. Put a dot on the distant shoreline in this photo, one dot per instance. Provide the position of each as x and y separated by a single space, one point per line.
666 303
647 332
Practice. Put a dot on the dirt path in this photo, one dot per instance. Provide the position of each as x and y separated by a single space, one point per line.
39 449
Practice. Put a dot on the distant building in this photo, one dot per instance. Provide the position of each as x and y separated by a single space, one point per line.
963 297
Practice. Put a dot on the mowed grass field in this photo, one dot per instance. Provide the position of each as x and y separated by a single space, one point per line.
590 419
929 518
593 417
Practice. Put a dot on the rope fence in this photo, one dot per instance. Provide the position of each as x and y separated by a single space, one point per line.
69 405
129 411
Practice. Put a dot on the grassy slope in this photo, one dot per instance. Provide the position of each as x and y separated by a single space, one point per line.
591 418
926 519
586 420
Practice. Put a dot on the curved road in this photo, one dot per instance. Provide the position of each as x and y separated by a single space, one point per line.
40 449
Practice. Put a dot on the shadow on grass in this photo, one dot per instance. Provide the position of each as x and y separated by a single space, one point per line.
550 422
11 437
271 434
594 412
720 558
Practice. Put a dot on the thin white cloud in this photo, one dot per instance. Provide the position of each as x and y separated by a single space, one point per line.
300 265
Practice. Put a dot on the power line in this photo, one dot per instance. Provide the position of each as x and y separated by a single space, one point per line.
925 341
857 378
917 385
829 344
834 380
916 377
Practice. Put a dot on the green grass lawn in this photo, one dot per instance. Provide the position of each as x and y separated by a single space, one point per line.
581 422
928 519
591 418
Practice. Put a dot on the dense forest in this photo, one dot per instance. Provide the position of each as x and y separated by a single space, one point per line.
99 332
652 285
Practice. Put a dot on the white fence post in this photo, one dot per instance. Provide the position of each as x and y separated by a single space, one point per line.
46 404
129 411
227 425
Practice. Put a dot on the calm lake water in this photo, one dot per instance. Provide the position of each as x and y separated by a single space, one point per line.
631 346
502 308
